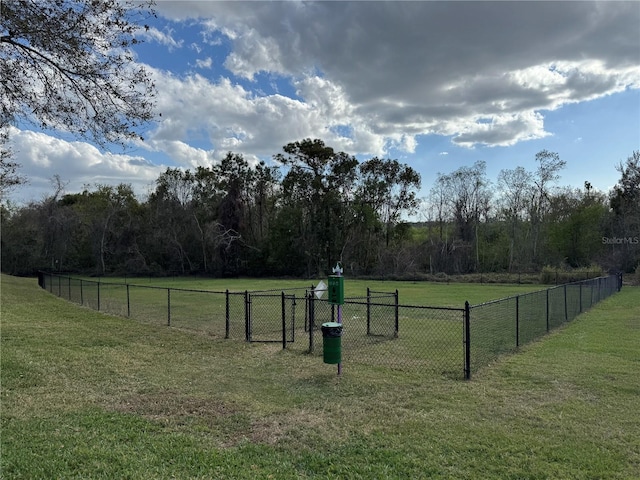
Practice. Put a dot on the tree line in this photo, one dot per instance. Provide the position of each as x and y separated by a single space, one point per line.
318 206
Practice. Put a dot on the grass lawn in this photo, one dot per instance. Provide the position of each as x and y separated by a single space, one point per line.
410 292
87 395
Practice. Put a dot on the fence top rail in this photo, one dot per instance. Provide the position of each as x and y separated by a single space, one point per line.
350 301
270 294
157 287
513 297
277 290
371 296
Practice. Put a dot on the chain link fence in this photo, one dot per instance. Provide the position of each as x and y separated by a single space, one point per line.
377 330
501 326
383 333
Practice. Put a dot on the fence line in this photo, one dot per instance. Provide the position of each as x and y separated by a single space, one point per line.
501 326
379 331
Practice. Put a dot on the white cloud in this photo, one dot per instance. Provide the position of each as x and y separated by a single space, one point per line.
368 77
163 38
230 117
503 130
253 54
204 63
395 69
185 155
42 156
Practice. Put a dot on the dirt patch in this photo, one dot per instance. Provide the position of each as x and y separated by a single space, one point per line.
166 406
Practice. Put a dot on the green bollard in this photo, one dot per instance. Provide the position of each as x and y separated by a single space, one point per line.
332 342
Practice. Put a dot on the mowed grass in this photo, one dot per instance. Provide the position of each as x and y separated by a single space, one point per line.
410 292
87 395
429 339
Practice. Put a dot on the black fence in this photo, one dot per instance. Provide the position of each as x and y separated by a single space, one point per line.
378 330
502 326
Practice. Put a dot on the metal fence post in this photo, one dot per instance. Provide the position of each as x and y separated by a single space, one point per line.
566 315
312 314
548 310
226 315
247 316
397 313
69 283
128 302
580 297
284 323
517 320
81 294
168 307
368 311
293 318
98 294
467 341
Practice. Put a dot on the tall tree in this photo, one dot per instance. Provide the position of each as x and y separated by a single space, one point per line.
234 179
390 188
175 242
544 178
625 203
516 189
68 65
320 184
468 199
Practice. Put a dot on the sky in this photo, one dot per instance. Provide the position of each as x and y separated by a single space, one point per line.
435 85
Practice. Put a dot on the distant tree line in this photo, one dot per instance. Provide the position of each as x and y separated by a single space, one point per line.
320 206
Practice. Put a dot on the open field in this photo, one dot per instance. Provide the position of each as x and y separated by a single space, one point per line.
411 292
86 395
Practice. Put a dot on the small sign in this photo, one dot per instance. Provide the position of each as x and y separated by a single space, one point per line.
320 289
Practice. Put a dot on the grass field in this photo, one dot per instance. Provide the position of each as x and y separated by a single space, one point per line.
430 339
86 395
410 292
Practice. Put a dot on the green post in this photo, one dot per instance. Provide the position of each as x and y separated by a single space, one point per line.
336 290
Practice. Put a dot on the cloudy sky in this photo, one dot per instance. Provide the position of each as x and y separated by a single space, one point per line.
436 85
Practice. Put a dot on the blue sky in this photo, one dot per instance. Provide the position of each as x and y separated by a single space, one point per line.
436 85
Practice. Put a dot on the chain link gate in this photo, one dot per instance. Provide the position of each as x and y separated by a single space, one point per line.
271 318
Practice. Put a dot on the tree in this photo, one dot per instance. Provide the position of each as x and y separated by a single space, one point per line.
576 226
22 241
516 189
468 196
389 187
9 176
234 179
109 213
175 244
319 187
549 164
624 200
67 65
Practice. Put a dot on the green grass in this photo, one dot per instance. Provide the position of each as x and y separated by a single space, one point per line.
429 339
410 292
86 395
